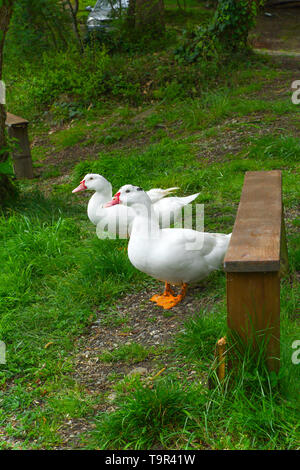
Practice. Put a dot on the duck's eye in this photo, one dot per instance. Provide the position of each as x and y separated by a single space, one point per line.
91 178
139 189
127 191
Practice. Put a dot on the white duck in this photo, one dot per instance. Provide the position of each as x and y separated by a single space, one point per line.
173 255
119 219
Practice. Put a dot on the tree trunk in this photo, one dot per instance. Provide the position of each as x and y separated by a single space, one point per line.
149 15
6 187
131 14
74 10
5 15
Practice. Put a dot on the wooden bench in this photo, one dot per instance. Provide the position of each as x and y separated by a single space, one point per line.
18 129
255 258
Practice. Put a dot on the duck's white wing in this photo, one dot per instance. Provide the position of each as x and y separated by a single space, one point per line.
185 255
179 255
169 209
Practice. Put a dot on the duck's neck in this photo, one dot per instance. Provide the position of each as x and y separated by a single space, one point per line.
145 225
96 202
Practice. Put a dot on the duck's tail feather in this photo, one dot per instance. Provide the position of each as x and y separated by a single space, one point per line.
187 199
157 193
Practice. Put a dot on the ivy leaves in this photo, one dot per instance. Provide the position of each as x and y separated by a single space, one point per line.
228 31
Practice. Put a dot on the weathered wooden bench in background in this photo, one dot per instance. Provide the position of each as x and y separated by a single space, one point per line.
18 129
256 256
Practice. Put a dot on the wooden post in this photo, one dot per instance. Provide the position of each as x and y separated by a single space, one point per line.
22 162
220 358
252 263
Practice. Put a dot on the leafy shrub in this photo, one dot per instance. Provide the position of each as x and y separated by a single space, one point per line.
228 31
170 92
38 26
64 110
79 76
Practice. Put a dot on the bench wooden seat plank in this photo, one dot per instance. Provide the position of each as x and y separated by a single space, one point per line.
255 241
13 120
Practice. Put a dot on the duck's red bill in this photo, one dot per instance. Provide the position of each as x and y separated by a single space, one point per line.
115 200
81 187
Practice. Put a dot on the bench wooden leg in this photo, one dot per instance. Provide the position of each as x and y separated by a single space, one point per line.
253 305
22 161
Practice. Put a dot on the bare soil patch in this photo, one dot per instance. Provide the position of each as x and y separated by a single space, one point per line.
278 29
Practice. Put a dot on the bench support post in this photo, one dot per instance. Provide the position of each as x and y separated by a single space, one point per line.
18 130
253 306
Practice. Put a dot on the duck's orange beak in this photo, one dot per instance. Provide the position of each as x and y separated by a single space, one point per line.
115 200
81 187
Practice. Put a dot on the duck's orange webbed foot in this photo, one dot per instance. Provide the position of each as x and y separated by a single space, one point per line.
168 300
122 248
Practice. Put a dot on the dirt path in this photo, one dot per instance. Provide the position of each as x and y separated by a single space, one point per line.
133 320
278 29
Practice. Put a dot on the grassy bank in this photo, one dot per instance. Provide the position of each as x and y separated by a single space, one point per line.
74 313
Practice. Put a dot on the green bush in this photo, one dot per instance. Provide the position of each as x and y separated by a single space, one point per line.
38 26
82 77
228 31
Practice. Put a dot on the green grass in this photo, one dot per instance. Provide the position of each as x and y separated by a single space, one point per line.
49 289
156 123
249 411
69 137
56 274
37 306
173 162
130 353
143 416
